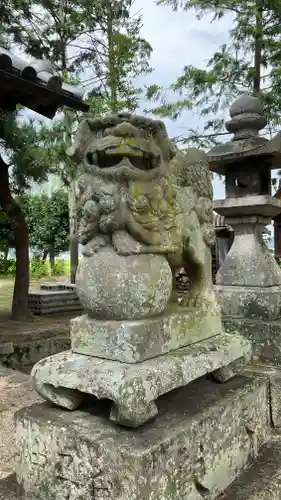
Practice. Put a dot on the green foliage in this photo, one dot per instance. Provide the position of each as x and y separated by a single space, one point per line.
7 267
38 269
48 223
6 233
24 155
61 268
250 62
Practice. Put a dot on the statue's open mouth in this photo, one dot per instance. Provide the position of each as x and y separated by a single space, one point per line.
114 155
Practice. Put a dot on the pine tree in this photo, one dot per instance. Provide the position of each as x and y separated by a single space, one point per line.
96 38
121 56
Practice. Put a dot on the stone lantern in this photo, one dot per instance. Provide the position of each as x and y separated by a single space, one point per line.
249 281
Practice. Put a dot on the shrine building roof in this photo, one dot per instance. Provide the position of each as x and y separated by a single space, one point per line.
35 85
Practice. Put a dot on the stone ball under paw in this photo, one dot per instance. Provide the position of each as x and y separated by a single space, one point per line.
116 287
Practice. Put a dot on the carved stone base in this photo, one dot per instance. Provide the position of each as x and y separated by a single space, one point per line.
66 378
135 341
250 302
204 437
265 336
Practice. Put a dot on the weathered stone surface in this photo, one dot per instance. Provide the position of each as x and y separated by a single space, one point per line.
134 341
227 372
262 481
116 287
204 437
140 200
255 205
16 393
273 377
249 280
250 302
275 397
9 489
247 119
265 336
6 348
249 262
66 378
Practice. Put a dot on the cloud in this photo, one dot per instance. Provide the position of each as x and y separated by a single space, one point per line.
178 38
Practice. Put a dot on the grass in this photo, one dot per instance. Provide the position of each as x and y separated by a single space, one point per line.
6 294
7 282
31 327
7 289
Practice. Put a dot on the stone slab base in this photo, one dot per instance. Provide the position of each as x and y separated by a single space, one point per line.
135 341
273 377
262 481
265 336
205 435
9 489
250 302
66 378
25 354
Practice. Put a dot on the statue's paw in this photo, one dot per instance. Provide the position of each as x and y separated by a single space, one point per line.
87 251
94 245
194 300
200 298
125 244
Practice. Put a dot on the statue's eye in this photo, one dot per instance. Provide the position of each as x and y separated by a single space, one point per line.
91 158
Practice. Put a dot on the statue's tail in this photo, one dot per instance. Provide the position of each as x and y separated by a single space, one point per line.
191 172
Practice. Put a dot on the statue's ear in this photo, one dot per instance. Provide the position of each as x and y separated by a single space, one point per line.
82 138
163 140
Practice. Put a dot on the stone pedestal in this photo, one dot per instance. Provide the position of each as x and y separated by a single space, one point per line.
135 352
249 280
67 378
139 340
205 435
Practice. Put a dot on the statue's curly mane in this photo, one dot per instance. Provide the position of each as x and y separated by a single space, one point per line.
154 210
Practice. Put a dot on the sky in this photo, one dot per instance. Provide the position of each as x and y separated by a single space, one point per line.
179 39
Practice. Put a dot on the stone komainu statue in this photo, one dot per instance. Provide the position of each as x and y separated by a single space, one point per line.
141 196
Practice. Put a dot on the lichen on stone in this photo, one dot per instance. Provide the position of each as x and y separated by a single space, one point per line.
139 195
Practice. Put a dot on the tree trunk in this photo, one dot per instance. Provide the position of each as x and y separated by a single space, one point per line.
112 82
258 48
6 253
19 307
52 260
73 243
72 204
19 226
44 256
